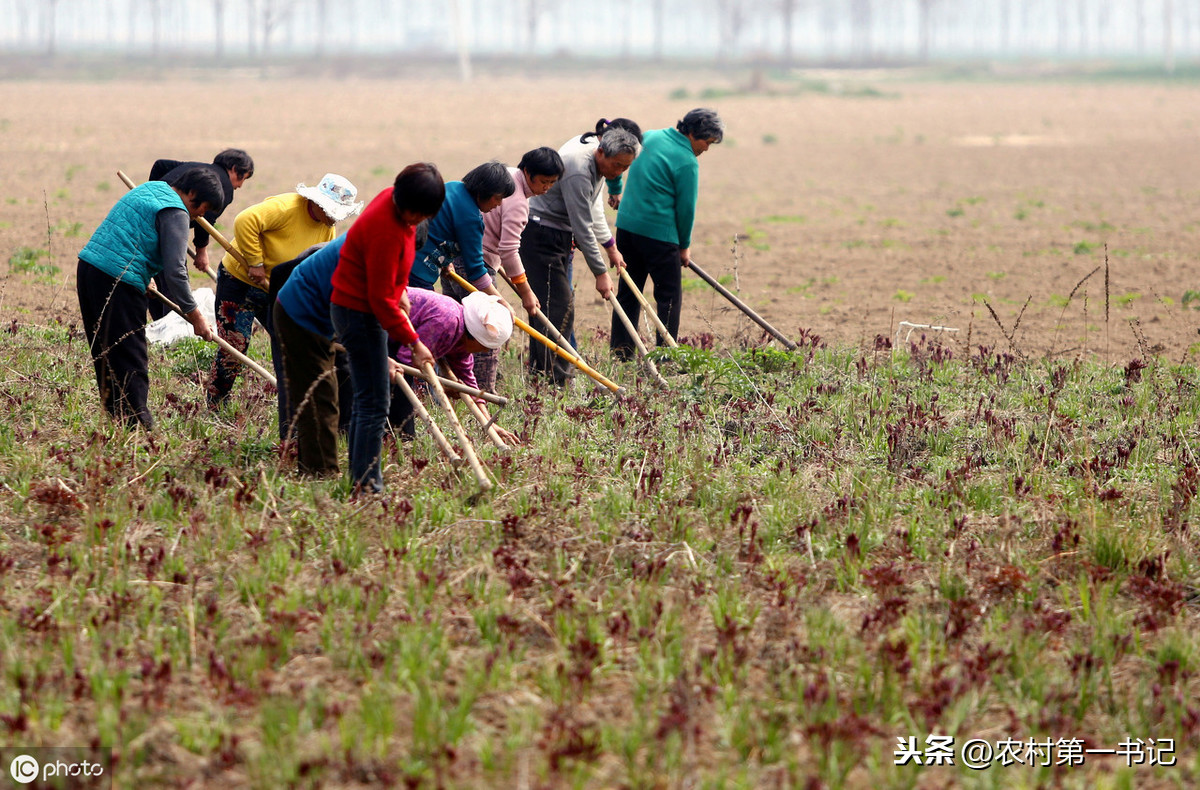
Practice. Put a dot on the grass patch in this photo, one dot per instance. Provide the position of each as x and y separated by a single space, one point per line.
761 577
28 260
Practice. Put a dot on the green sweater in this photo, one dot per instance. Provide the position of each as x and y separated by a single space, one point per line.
661 189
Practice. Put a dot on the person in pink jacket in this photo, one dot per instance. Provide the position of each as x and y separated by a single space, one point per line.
537 172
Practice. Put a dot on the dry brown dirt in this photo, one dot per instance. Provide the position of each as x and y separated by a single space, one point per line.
852 213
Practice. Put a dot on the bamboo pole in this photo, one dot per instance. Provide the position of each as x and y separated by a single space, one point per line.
438 437
745 308
456 386
550 328
191 251
547 342
479 414
637 341
658 324
220 341
481 475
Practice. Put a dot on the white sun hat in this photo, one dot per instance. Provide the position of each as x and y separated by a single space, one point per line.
487 319
335 195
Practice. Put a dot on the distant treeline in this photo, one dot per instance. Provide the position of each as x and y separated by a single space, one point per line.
788 31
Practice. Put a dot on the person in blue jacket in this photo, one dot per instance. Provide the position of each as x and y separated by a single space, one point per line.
144 234
456 233
313 396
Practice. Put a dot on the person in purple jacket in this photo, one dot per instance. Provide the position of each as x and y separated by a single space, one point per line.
454 332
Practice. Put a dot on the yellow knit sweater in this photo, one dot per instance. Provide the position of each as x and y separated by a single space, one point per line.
273 232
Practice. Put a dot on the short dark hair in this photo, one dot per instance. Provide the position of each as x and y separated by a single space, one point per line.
542 161
490 178
603 125
702 124
235 159
203 184
419 188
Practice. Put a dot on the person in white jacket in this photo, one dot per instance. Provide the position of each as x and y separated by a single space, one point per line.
570 213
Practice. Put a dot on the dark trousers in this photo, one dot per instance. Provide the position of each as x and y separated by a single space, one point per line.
114 321
157 308
238 304
366 344
546 255
660 261
310 378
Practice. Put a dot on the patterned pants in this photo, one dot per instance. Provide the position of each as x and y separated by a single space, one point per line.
238 304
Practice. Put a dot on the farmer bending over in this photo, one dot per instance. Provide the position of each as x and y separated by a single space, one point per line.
571 212
369 284
654 224
269 233
233 166
453 333
145 233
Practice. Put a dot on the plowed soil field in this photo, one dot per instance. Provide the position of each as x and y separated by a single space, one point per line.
841 204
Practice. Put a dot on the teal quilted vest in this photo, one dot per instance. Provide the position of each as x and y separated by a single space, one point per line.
125 246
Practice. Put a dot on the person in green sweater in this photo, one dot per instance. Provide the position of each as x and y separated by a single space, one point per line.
654 223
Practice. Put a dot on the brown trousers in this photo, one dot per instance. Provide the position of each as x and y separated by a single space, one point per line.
312 388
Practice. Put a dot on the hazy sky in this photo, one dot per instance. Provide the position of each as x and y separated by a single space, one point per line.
820 29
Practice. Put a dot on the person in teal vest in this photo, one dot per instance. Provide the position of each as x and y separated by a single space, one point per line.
654 222
144 234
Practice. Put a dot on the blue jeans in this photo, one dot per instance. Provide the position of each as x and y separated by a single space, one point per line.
366 346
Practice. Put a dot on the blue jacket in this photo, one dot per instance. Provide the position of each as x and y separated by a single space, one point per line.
125 246
456 232
307 294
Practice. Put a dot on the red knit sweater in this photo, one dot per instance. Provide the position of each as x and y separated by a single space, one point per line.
372 271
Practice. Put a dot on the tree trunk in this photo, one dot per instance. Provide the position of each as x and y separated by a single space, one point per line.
1005 24
860 29
829 24
251 28
1062 27
1140 25
659 24
531 22
155 28
322 24
626 28
1083 27
460 42
924 12
787 10
219 26
1169 35
50 23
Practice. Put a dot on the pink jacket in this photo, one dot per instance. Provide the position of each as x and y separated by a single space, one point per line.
502 228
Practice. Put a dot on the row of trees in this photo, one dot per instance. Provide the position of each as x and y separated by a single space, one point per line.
789 30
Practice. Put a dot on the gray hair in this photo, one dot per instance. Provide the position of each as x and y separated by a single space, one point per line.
702 124
617 141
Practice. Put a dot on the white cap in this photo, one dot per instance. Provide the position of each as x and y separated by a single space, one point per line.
335 195
487 319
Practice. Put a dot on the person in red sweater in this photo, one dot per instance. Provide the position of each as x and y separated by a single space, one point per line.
368 288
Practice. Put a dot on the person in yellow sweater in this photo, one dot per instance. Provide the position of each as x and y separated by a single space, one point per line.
266 234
